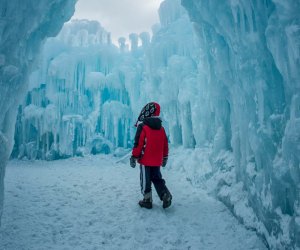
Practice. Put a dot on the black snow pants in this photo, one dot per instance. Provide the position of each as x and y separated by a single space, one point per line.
153 175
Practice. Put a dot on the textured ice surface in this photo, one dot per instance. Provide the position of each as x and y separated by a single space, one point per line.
250 62
23 27
95 90
77 102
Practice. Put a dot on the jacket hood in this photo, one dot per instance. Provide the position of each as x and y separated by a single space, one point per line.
151 109
153 122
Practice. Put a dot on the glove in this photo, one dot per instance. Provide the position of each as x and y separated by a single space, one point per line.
132 162
164 163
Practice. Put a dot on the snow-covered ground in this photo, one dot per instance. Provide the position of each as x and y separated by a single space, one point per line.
91 203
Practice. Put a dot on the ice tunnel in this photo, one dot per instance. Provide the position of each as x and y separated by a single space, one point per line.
226 74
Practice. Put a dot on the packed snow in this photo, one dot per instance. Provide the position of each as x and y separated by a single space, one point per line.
91 203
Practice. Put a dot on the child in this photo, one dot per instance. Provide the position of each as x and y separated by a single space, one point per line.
151 151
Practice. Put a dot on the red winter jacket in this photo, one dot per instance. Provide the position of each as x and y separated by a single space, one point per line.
150 143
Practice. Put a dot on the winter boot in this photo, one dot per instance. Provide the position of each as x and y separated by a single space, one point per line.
147 201
167 199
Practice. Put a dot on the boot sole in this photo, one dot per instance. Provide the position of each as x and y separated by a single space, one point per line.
146 206
167 202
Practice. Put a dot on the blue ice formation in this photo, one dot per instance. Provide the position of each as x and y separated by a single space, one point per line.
226 74
74 87
78 102
250 54
86 94
23 27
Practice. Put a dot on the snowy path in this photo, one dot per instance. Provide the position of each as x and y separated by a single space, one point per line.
90 203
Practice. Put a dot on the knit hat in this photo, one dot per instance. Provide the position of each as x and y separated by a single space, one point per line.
151 109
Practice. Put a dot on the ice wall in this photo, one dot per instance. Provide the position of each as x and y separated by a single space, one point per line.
171 73
250 67
87 91
23 27
77 103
